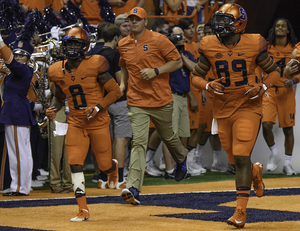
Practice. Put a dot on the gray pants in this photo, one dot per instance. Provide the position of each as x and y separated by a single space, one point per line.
140 120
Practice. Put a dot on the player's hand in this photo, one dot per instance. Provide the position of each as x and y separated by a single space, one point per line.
90 112
148 73
288 83
256 90
215 86
193 104
51 113
289 69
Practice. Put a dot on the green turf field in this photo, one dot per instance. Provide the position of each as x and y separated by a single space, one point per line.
207 177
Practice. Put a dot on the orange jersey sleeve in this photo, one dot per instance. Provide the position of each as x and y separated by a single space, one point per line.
152 50
80 86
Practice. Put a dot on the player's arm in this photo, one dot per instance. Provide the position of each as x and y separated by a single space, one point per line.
198 77
173 5
123 79
111 87
187 62
57 102
193 101
140 3
270 67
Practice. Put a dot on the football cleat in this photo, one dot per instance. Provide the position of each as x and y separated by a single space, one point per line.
121 185
83 215
113 176
102 184
239 217
258 184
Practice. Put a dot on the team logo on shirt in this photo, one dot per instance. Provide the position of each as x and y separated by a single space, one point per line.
218 55
229 53
145 47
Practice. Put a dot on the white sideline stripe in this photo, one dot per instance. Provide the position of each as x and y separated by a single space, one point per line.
143 194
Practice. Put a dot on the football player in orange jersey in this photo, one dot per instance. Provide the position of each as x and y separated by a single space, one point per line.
281 100
83 79
237 106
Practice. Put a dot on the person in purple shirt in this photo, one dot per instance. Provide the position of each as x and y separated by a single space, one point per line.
16 115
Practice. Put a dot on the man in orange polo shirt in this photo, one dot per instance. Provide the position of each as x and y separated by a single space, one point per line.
146 58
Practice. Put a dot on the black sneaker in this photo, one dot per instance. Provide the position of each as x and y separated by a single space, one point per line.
131 195
96 178
180 171
169 176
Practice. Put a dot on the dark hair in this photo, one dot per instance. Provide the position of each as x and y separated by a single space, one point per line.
170 30
110 31
100 28
158 23
291 38
184 23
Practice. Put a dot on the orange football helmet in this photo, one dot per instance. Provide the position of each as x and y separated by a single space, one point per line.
230 18
80 38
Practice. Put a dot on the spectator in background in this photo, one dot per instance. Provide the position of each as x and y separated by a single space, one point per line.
195 99
56 5
173 8
90 10
280 101
200 32
32 4
120 125
58 156
124 6
160 25
199 5
100 41
123 23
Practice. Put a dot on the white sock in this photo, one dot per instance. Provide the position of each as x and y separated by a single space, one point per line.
274 150
216 156
287 159
170 171
150 154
